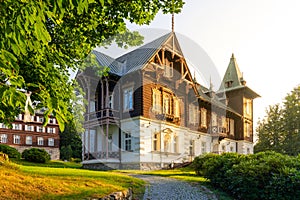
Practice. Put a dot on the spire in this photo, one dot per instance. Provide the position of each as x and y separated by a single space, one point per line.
172 22
233 76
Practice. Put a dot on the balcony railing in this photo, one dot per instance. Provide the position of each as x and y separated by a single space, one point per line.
101 114
102 155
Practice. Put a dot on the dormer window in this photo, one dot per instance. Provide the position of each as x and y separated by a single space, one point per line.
228 84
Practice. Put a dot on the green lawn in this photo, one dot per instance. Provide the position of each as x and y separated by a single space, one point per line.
36 182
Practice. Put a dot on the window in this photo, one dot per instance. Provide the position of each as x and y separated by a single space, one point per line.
175 143
17 139
203 118
167 104
50 142
168 70
156 141
203 147
223 148
247 129
39 119
2 125
3 138
111 101
29 140
231 149
40 141
52 120
40 129
176 107
247 107
50 130
17 126
19 117
192 147
214 119
193 114
128 146
29 128
231 126
156 100
128 99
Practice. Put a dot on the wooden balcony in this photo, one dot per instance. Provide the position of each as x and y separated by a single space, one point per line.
101 117
220 132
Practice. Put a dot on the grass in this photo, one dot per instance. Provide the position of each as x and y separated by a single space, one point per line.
52 163
39 182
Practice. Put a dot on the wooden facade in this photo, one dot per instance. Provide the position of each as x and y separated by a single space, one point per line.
156 111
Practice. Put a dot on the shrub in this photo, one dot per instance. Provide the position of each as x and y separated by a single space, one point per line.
66 152
10 151
265 175
198 162
36 155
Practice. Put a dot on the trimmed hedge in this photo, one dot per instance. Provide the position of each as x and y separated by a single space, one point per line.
10 151
265 175
36 155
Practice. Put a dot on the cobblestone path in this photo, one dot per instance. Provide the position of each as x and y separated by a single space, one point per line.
172 189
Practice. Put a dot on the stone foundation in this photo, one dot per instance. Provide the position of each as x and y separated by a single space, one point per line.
54 152
135 166
125 195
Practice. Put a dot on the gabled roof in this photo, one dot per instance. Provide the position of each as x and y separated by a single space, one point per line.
105 60
137 58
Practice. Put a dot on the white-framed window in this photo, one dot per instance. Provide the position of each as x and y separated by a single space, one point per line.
51 142
214 119
52 120
203 147
203 118
176 107
128 99
193 114
40 119
3 138
156 141
19 117
40 141
17 126
50 130
40 129
128 142
17 139
167 104
29 128
156 100
168 70
175 143
192 147
28 140
2 125
231 148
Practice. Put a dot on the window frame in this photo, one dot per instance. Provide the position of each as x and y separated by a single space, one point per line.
40 141
128 99
26 140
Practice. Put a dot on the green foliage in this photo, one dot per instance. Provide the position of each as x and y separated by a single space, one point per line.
41 41
70 143
36 155
66 152
10 151
198 162
280 130
265 175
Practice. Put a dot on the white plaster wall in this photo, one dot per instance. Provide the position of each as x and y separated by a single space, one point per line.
230 146
243 147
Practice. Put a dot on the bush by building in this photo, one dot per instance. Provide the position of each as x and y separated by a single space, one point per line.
36 155
10 151
266 175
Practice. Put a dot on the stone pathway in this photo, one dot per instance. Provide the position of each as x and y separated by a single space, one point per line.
173 189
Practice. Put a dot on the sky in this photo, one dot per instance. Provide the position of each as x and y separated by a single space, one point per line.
264 36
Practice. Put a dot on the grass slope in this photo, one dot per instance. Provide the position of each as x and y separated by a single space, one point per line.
33 182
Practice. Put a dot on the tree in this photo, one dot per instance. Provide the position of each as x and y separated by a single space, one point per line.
279 131
40 41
